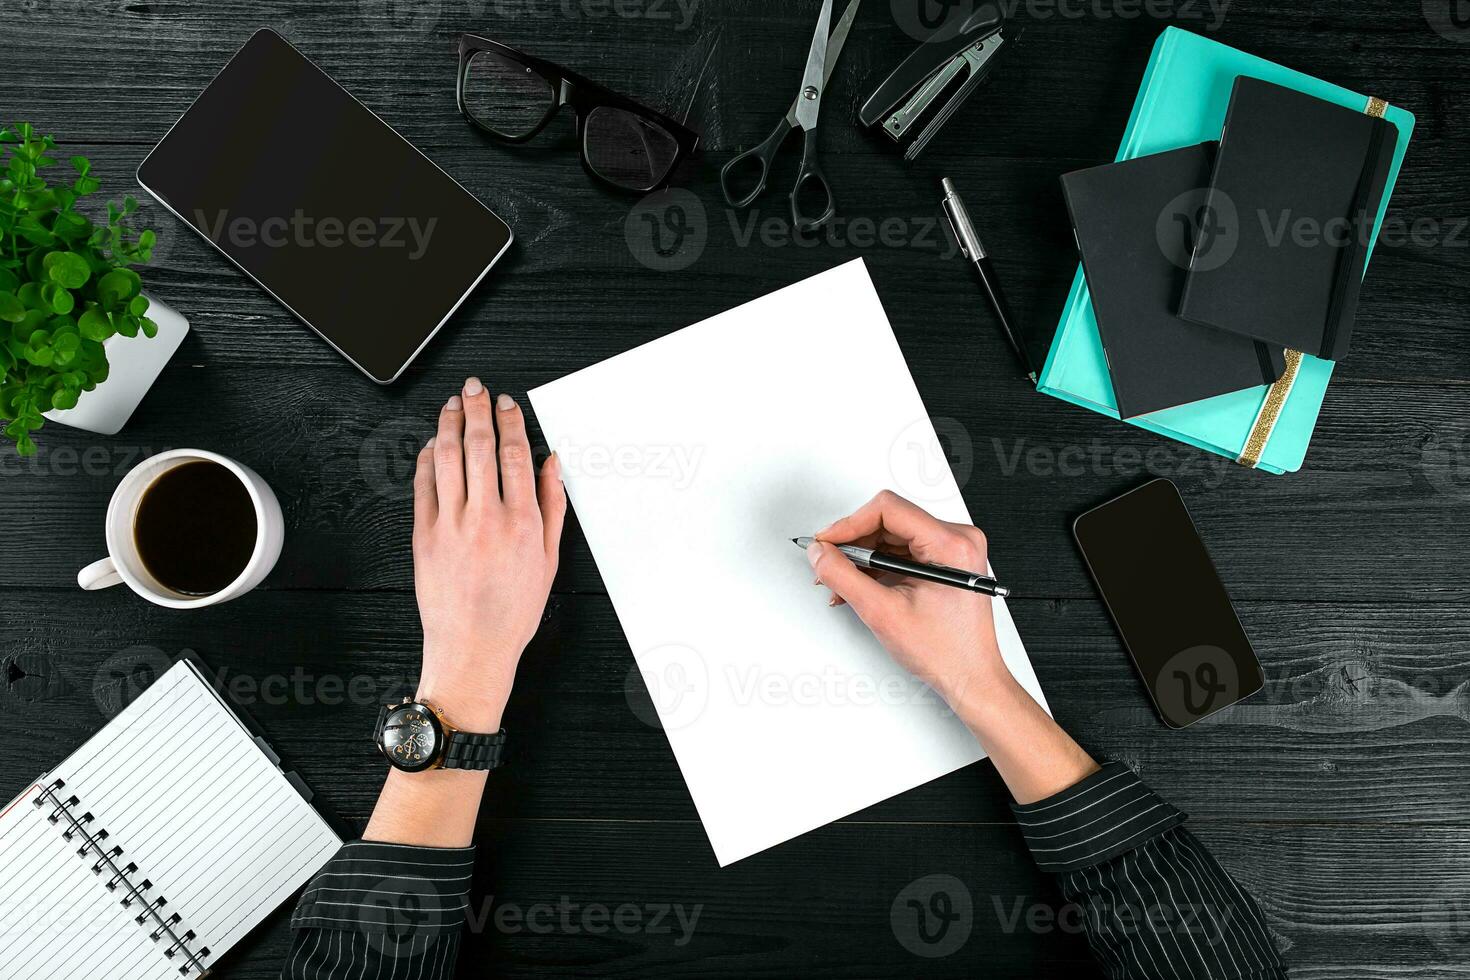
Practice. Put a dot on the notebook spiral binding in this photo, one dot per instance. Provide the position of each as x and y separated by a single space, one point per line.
167 927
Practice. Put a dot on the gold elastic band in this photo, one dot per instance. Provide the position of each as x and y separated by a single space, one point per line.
1270 413
1266 418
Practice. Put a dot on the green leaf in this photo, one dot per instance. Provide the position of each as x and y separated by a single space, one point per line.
118 287
64 399
32 232
71 226
86 185
12 310
126 325
139 306
67 269
8 280
81 165
150 329
43 201
58 298
33 321
41 357
30 294
94 325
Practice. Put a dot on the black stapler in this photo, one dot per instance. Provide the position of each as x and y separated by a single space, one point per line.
951 62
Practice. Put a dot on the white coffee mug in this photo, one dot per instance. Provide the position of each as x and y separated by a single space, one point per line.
123 565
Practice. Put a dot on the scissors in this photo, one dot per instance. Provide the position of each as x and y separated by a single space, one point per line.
812 189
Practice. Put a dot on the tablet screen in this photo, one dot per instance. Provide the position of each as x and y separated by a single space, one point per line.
325 206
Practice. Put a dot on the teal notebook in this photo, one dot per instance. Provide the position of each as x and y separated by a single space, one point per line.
1185 93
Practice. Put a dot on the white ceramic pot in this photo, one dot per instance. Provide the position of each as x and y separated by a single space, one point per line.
134 363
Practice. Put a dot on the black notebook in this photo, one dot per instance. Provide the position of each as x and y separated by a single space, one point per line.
154 847
1300 181
1135 223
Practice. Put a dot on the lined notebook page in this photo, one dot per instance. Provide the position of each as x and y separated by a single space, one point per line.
183 788
59 919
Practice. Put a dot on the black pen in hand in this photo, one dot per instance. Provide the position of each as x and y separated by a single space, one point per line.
942 574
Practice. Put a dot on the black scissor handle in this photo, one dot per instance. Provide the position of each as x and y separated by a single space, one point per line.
753 163
812 205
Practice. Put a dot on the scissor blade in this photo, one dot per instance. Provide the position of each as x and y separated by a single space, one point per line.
809 99
834 50
838 39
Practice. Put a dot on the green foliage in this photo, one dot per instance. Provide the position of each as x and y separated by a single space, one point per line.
65 283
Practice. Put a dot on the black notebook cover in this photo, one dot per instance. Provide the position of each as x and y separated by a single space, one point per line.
1295 193
1134 225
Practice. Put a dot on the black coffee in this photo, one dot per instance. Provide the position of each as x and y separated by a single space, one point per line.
195 528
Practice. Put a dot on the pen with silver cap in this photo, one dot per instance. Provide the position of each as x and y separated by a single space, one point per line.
973 249
944 575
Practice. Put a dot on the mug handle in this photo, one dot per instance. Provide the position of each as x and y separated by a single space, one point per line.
99 575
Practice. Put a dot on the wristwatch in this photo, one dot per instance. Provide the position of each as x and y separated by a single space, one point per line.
415 737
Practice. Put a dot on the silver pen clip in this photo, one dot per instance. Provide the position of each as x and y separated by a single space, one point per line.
971 247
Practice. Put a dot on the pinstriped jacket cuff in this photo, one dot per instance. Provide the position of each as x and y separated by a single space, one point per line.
1106 814
395 889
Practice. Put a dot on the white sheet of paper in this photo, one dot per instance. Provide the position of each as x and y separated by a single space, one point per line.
692 461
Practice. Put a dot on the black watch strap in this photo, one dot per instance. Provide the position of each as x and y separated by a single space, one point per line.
468 750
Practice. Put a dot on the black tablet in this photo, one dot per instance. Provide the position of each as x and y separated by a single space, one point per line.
320 202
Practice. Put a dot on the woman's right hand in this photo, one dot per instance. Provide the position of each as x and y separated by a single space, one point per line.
946 637
943 635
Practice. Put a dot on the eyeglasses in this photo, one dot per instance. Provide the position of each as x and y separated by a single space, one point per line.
512 96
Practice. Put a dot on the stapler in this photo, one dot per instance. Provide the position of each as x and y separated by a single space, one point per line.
951 62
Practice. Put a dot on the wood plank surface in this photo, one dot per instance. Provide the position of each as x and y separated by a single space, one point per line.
1339 795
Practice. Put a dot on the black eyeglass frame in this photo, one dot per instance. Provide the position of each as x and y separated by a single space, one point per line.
582 95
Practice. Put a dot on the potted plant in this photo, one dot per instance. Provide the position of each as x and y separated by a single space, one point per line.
70 302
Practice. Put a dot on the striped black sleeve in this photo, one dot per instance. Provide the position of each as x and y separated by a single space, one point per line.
391 911
1155 902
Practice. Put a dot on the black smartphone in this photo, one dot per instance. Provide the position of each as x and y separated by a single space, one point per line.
1168 602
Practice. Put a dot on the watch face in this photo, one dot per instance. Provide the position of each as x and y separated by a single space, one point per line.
412 738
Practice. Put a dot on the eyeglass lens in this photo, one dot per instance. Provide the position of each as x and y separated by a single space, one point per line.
627 149
505 97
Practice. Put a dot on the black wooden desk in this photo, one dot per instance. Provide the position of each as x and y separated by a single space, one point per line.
1339 796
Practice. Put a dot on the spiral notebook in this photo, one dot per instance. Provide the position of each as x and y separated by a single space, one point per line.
156 846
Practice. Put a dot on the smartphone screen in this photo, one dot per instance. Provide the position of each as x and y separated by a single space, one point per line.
1168 602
